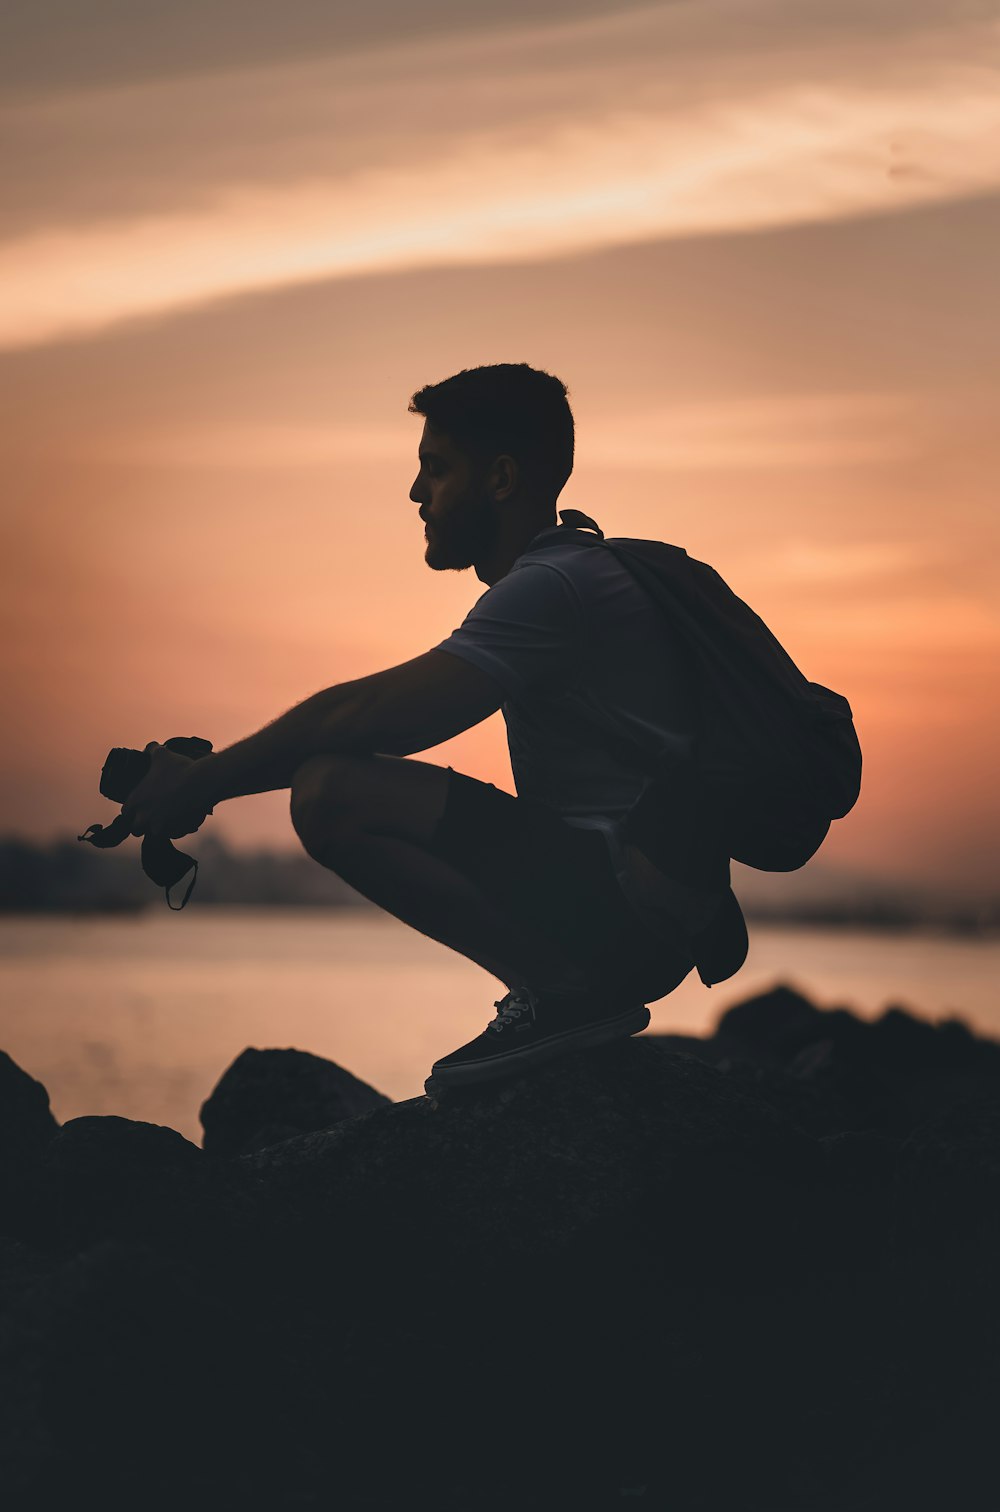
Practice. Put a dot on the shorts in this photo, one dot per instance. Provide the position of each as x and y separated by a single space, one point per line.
559 881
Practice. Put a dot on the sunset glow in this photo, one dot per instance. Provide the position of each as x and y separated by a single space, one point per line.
758 241
814 133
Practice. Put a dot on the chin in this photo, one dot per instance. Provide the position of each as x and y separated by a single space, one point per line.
440 559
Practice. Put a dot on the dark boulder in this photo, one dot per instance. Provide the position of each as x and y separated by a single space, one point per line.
590 1234
105 1177
26 1121
267 1096
754 1276
899 1041
20 1268
128 1383
950 1188
771 1027
634 1137
819 1105
889 1073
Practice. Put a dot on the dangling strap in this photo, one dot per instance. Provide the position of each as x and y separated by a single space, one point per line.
190 888
165 865
106 836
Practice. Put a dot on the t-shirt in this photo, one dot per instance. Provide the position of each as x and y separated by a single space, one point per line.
582 653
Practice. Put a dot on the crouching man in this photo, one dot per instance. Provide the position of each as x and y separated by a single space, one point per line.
543 890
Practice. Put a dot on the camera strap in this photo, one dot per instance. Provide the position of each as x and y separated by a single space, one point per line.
165 865
162 862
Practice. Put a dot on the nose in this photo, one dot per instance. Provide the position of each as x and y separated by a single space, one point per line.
416 497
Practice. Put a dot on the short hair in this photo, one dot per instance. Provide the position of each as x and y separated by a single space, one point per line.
505 408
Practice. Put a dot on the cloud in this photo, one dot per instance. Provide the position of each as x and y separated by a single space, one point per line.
855 564
52 43
527 145
763 431
944 622
260 445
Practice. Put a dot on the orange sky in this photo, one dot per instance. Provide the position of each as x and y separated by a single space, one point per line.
758 241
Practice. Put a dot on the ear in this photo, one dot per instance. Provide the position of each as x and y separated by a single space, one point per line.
504 478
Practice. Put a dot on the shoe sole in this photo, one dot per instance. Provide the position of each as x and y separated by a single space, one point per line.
512 1061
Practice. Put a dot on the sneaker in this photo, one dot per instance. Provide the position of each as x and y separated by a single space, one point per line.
531 1028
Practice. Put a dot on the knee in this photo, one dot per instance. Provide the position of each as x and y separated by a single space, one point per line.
319 800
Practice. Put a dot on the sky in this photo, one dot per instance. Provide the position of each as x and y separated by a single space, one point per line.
758 239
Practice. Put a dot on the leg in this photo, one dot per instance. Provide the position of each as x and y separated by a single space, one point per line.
372 820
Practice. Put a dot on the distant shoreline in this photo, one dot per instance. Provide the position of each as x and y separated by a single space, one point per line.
963 927
67 878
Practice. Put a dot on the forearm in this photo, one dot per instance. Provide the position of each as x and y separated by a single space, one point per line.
325 723
398 712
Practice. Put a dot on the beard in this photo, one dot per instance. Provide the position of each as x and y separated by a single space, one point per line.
463 538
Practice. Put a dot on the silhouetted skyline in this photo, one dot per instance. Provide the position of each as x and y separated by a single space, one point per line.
62 876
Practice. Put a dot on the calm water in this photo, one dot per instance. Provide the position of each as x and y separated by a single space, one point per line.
140 1015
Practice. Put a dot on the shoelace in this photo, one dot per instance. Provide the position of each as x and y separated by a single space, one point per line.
511 1007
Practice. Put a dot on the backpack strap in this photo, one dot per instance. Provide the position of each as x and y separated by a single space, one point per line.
575 519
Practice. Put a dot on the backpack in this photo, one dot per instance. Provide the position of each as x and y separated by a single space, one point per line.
776 757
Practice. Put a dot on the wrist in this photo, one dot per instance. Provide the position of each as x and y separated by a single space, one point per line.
201 783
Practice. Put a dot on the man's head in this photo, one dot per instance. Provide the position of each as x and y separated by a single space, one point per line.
496 449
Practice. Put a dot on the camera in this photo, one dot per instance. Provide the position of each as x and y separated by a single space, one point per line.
123 770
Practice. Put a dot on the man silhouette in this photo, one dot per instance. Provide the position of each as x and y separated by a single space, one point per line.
548 891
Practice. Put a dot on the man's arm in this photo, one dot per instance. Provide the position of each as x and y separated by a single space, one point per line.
399 711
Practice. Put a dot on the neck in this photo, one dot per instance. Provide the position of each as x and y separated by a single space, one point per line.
515 531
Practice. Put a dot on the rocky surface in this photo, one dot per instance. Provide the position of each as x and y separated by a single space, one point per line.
755 1271
26 1121
267 1096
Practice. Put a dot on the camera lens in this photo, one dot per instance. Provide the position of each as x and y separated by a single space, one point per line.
121 772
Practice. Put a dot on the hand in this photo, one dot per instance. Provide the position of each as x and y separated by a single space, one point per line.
164 802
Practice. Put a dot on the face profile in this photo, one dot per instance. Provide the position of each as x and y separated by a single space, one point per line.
456 509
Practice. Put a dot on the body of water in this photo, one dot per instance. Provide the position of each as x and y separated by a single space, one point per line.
140 1015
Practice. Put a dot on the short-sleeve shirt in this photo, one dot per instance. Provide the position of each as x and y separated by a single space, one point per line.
590 670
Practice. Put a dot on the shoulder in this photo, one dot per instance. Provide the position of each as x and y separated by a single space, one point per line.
586 571
540 583
576 563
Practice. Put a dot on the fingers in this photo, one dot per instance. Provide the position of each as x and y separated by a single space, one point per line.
158 802
174 830
137 817
184 824
189 825
131 818
137 812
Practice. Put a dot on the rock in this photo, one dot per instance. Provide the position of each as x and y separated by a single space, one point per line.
863 1176
865 1161
26 1121
890 1073
899 1041
818 1105
962 1142
105 1177
632 1136
772 1027
949 1188
267 1096
734 1278
576 1234
20 1268
712 1050
131 1384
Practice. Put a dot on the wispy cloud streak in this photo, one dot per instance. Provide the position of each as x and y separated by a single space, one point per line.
450 155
